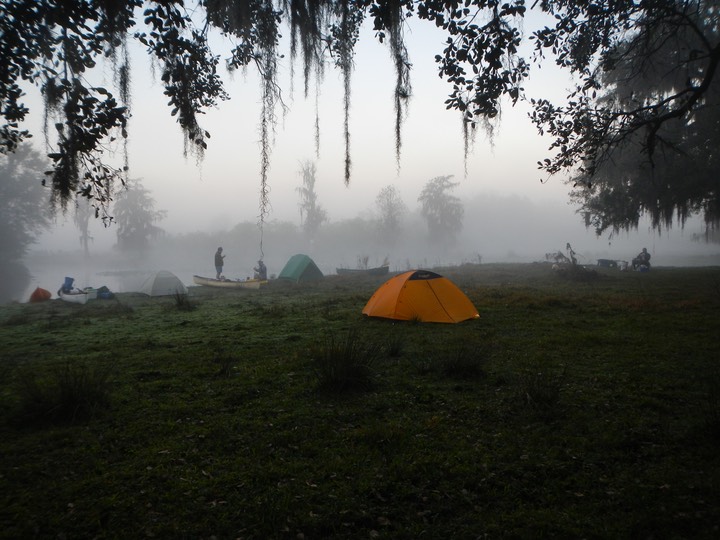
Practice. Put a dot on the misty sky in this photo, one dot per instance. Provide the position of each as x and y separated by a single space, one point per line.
223 190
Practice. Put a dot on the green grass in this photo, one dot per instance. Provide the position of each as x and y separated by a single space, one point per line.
570 409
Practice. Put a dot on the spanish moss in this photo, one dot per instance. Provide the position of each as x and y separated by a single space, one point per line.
344 36
403 88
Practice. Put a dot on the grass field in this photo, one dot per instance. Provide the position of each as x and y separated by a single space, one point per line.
573 408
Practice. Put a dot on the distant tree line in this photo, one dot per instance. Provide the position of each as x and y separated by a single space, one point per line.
25 213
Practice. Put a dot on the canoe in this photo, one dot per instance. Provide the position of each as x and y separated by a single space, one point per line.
377 271
229 283
75 297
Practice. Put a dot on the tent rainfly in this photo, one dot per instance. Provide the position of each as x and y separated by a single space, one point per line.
163 283
420 295
40 295
300 268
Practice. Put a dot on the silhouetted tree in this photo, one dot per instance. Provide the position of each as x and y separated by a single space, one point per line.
54 45
312 214
136 216
391 210
677 176
24 214
81 217
442 211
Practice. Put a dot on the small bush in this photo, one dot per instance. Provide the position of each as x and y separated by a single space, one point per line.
457 364
576 273
540 391
225 364
183 302
121 309
72 392
344 364
465 364
394 345
275 311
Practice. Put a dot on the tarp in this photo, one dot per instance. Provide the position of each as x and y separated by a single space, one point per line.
423 296
300 268
163 283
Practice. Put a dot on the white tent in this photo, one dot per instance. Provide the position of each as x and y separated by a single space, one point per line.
163 283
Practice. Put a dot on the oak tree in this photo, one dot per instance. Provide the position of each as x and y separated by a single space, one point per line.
56 45
670 170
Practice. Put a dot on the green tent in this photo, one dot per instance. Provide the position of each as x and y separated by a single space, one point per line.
300 268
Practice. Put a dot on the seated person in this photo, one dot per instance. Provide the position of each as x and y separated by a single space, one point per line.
642 259
260 270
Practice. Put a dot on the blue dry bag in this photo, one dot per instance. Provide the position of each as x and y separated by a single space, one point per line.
68 285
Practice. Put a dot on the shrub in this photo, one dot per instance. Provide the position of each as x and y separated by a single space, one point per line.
121 309
459 363
344 364
465 364
69 393
575 272
183 302
225 364
540 391
394 345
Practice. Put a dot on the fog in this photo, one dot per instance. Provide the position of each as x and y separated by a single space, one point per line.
512 214
496 229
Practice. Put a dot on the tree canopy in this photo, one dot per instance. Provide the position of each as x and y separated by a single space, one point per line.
669 170
607 45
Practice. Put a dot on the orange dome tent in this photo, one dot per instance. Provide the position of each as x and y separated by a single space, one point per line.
421 295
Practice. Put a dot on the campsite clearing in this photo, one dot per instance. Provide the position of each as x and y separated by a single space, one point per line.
569 409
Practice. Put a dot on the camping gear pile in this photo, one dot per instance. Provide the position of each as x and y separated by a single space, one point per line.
69 293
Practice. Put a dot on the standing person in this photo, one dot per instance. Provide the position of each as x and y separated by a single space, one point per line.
219 262
260 270
570 251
